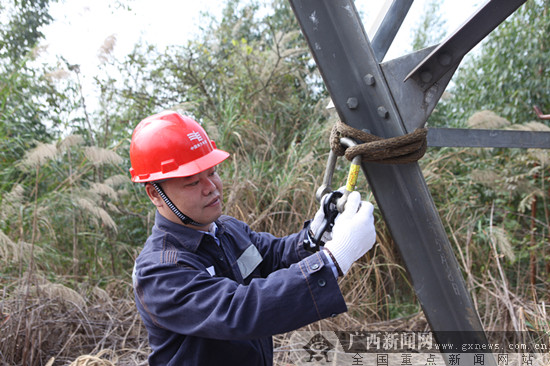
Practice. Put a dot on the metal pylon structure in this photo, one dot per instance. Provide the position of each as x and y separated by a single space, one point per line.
393 98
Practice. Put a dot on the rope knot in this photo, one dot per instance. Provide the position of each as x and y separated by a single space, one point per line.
404 149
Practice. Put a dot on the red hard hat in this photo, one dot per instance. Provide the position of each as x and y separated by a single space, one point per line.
169 145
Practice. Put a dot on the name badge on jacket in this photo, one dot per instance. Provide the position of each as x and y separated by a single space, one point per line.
249 260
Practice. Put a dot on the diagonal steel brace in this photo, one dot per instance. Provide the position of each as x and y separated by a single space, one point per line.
451 51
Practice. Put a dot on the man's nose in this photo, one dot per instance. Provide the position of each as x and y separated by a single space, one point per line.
208 185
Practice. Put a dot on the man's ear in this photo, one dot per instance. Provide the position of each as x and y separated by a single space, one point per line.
153 195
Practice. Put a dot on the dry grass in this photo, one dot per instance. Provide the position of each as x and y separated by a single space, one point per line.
47 323
39 155
487 119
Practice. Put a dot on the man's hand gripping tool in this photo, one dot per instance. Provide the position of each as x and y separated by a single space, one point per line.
335 201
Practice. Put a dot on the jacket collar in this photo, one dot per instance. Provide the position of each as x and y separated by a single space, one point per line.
188 237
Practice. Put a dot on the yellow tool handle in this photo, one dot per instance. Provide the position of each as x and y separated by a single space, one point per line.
352 177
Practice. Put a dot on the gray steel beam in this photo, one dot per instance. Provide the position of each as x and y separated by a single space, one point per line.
458 137
450 52
363 100
391 23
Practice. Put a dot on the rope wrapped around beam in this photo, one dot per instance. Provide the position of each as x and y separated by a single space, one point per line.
404 149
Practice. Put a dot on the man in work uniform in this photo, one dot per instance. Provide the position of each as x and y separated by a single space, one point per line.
210 290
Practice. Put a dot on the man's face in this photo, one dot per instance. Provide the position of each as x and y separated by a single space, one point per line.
198 196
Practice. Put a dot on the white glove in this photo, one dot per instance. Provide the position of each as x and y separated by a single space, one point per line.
353 234
319 219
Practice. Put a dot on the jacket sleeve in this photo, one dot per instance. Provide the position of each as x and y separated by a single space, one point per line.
277 252
185 299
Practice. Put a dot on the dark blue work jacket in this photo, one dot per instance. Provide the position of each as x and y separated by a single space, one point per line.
207 301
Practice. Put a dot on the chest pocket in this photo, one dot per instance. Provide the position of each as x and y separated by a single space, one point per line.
249 260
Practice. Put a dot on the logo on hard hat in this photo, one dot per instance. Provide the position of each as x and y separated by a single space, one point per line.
198 137
194 136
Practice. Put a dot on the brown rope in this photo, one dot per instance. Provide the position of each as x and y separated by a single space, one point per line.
395 150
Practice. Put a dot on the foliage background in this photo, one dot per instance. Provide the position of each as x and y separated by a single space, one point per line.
71 222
